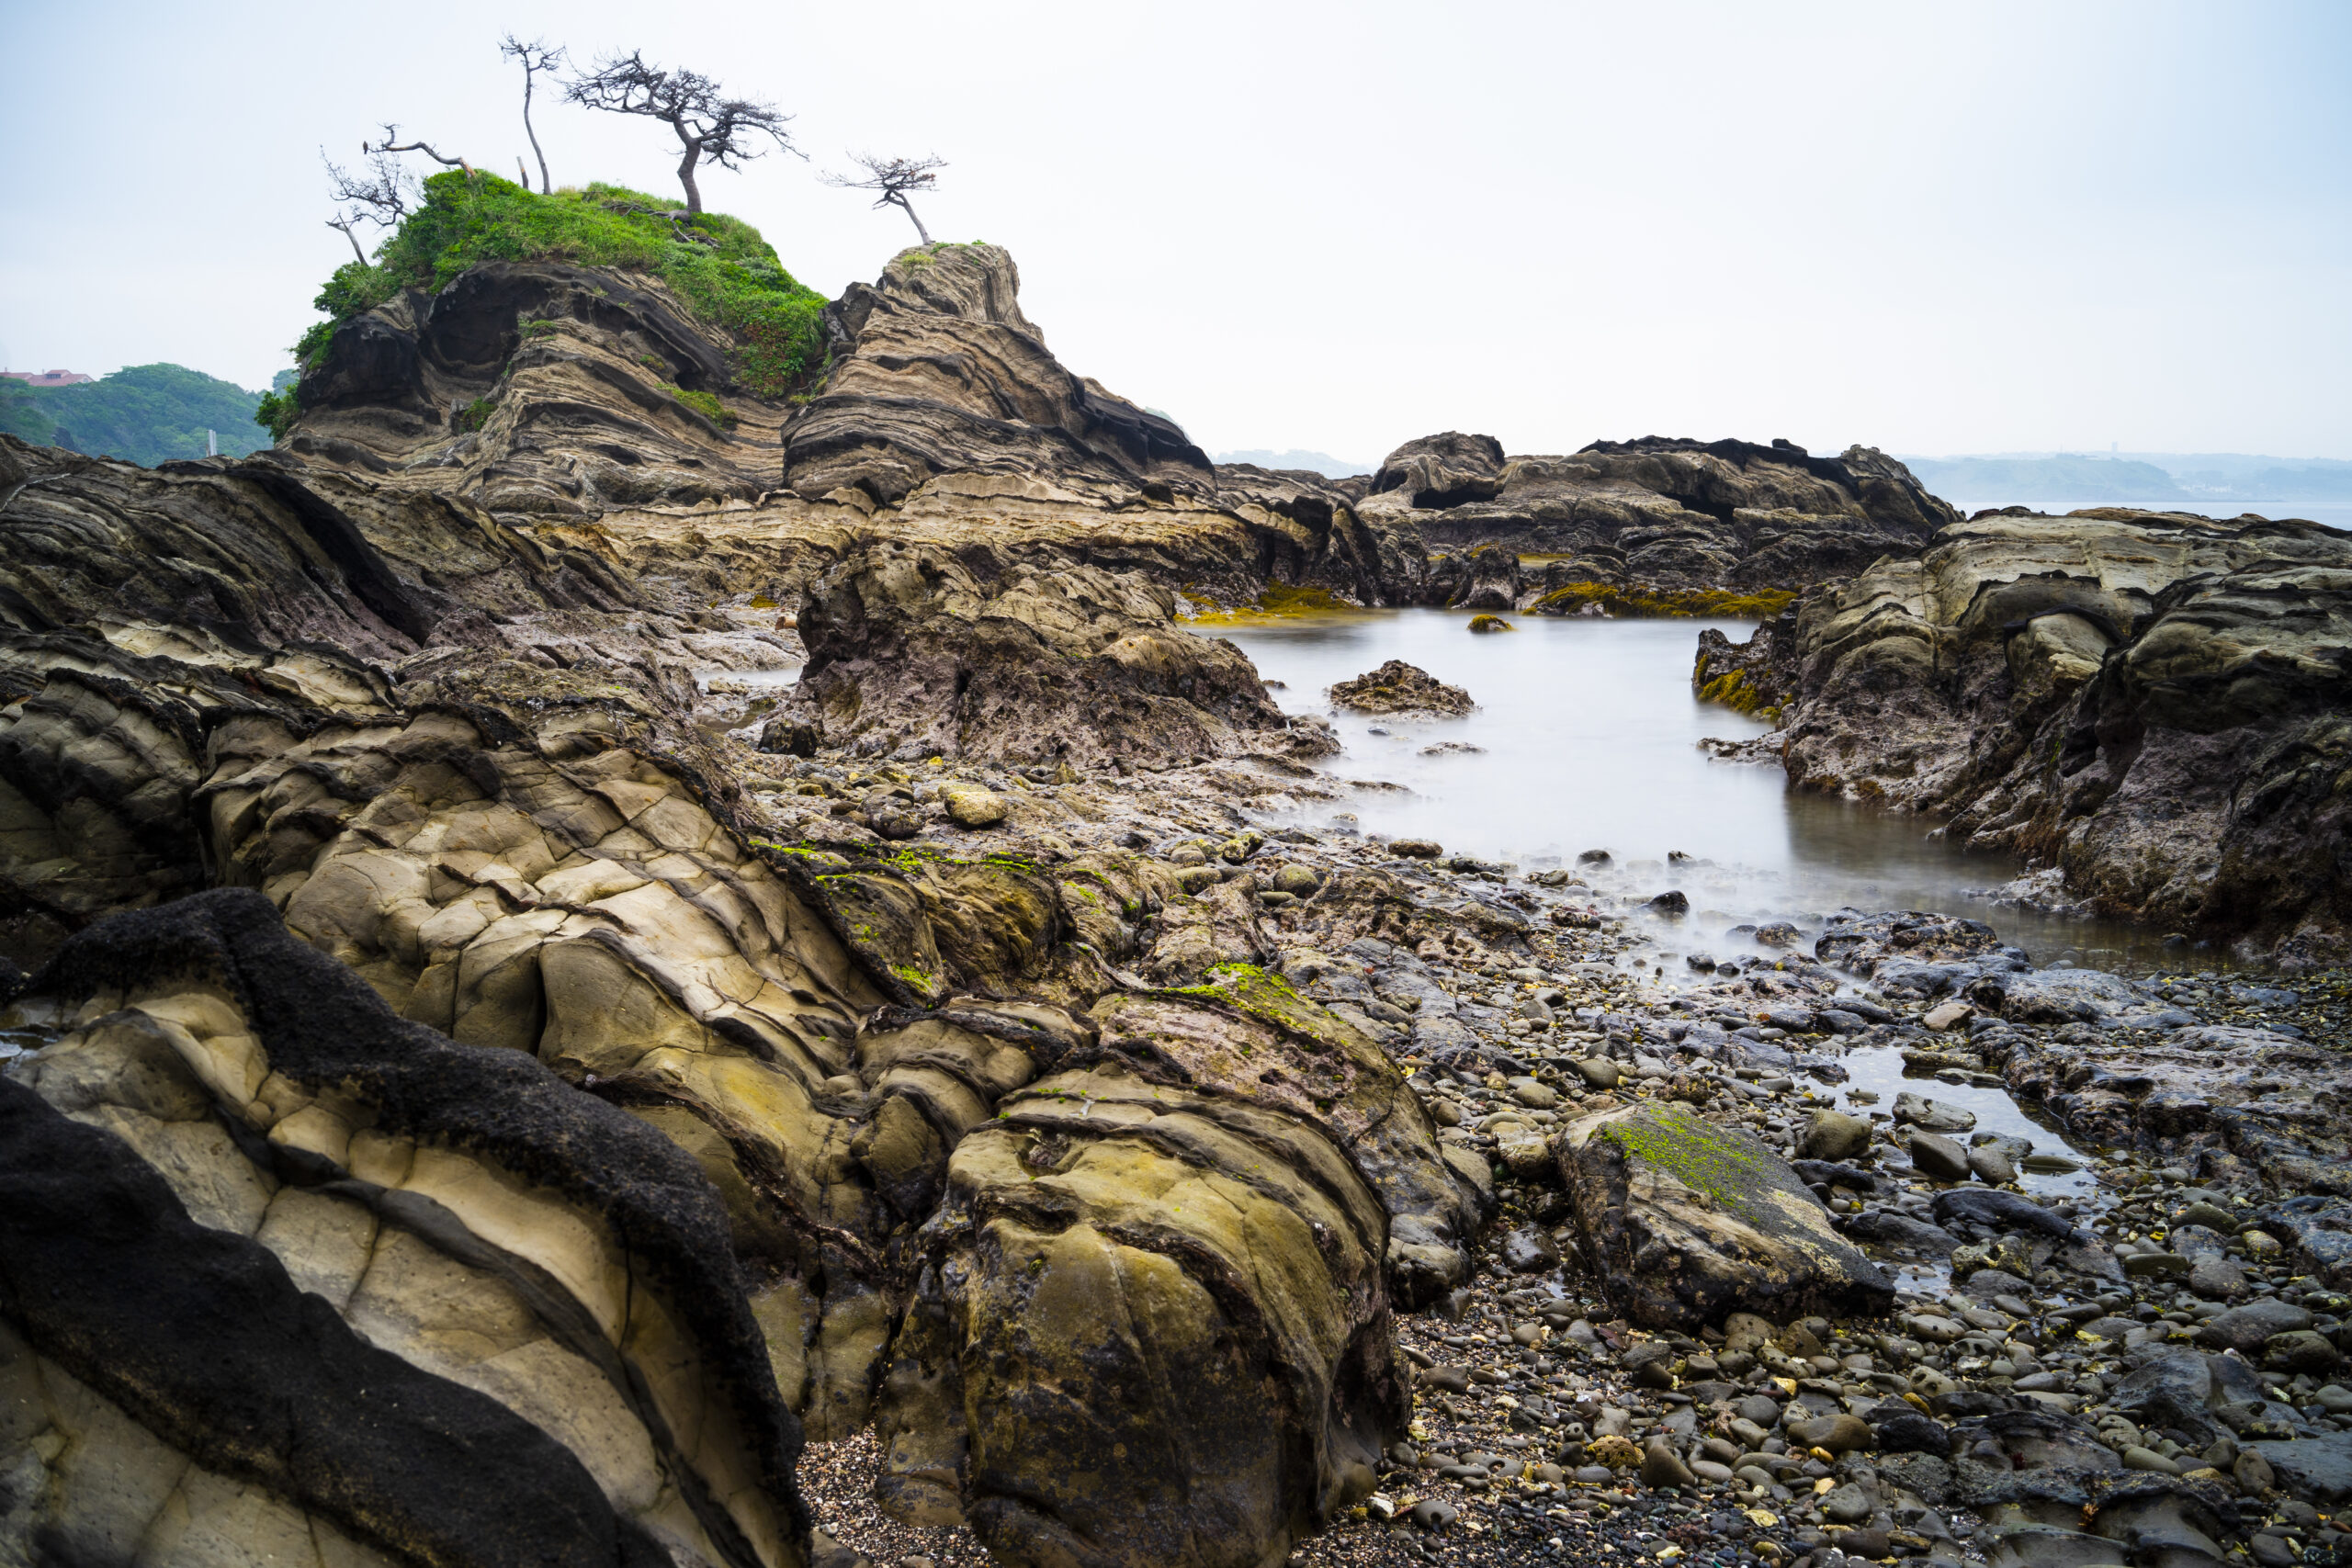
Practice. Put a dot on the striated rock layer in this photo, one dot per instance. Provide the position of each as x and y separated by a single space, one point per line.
2158 705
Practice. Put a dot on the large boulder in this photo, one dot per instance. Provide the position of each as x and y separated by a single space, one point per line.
1404 689
1687 1221
913 654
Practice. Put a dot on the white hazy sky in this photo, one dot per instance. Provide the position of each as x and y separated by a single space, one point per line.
1958 228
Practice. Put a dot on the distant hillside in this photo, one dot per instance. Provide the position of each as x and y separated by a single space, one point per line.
1980 480
1321 462
147 413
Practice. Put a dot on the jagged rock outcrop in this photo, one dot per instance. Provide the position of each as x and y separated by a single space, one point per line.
1658 514
550 396
913 655
2156 705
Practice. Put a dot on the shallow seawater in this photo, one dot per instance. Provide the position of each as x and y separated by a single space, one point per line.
1587 738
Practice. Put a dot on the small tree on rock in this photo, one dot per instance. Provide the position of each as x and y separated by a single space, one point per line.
709 125
894 178
382 193
534 57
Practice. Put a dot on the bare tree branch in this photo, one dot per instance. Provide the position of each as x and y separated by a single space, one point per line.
708 124
382 193
894 178
534 57
386 145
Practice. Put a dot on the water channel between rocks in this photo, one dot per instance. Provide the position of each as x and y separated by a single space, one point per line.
1587 738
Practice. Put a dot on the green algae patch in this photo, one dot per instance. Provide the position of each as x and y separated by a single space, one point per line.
1490 624
1664 603
1280 601
1727 1167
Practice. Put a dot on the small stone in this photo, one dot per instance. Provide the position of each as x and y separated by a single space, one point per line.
2211 1216
1528 1250
970 806
1938 1158
2137 1458
1992 1165
2253 1473
1298 880
1933 1114
1673 902
2299 1351
1846 1505
1839 1434
1834 1136
1432 1515
2157 1266
1600 1072
1536 1096
1661 1466
1416 849
1947 1015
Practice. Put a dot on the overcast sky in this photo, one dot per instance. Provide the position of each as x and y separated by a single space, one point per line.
1959 228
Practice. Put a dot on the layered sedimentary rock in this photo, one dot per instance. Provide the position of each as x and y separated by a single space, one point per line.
551 395
462 755
278 1259
2155 704
1655 514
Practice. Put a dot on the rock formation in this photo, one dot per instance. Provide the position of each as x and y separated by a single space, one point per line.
2154 704
511 917
1397 687
1690 1220
1654 514
912 655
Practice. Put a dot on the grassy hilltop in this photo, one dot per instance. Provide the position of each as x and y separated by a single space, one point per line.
719 265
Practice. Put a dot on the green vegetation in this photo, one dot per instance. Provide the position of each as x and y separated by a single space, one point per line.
1279 599
477 413
718 266
1702 1156
1665 604
146 414
1490 624
703 403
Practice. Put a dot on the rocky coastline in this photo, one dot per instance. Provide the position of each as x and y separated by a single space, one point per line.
491 1075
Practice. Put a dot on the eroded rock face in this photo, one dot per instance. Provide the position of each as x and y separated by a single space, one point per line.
1660 514
1689 1220
425 1293
912 654
2155 704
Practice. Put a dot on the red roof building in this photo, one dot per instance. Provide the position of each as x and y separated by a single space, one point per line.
48 377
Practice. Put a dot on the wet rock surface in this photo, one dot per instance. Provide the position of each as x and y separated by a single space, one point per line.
2151 704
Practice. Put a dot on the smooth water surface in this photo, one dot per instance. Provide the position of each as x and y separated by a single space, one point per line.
1588 735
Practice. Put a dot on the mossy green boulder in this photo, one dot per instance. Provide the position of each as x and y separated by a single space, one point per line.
1688 1221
